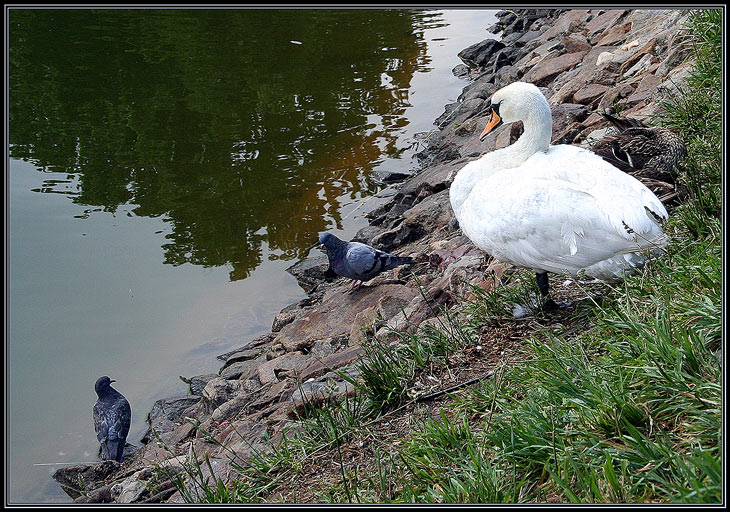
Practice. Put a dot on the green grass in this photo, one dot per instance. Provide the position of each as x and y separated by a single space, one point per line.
625 407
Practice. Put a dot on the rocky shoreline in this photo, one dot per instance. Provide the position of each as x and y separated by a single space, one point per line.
584 61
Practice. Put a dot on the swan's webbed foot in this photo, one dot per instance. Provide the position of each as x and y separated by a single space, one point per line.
539 305
542 304
549 304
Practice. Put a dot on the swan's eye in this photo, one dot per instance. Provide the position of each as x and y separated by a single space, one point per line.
495 107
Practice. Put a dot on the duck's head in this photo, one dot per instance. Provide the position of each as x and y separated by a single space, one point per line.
518 101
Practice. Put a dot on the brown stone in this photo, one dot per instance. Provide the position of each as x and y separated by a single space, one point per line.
503 139
272 393
335 315
567 135
283 318
614 95
219 391
593 120
313 393
466 128
363 320
590 93
566 114
646 89
244 438
231 408
332 362
289 361
606 75
566 92
544 72
603 21
615 34
573 44
181 433
241 369
648 48
492 277
567 22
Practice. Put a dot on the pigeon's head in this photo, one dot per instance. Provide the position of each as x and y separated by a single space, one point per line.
102 385
328 240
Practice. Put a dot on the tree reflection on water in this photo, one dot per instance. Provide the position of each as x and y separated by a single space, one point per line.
236 126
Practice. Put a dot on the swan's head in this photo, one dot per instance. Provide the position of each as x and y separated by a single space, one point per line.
518 101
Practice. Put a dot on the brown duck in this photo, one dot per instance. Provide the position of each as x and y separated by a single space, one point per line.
651 154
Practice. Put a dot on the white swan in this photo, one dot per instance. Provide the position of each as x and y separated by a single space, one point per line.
550 208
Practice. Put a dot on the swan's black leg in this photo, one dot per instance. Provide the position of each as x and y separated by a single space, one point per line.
544 285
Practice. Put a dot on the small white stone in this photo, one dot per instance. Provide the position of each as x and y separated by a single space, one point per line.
604 58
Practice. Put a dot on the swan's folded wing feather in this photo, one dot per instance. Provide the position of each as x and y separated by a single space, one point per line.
561 219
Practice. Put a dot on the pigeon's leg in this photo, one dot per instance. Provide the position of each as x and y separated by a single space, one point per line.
544 285
354 286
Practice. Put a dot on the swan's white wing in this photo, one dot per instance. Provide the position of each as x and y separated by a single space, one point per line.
620 196
561 211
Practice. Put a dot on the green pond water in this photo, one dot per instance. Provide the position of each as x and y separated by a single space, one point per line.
165 168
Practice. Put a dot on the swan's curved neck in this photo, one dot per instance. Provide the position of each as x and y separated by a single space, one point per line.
536 137
538 129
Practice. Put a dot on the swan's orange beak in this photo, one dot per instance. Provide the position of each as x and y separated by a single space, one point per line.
494 121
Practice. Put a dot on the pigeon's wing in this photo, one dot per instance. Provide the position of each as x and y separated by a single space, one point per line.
101 425
125 418
361 259
112 422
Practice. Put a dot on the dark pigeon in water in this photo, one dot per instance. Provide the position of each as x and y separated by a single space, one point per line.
112 417
358 261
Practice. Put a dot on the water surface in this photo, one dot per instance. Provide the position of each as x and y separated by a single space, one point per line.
166 167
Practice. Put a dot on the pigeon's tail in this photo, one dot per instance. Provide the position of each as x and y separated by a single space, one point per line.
396 261
114 450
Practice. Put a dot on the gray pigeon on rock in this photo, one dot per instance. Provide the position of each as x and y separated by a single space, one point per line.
112 417
358 261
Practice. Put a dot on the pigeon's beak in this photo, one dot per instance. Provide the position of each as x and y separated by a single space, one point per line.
322 248
494 121
111 380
